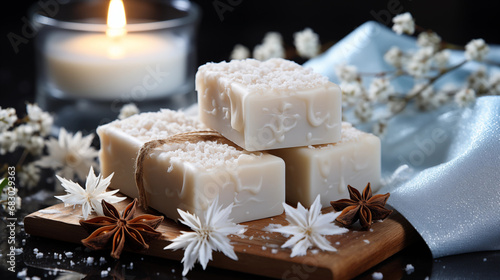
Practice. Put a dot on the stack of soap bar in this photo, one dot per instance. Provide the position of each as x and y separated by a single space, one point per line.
190 175
268 105
328 169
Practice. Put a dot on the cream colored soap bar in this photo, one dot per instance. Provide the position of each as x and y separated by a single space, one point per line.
190 175
328 169
268 105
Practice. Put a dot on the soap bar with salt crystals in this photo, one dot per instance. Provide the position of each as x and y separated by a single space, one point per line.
328 169
189 175
268 105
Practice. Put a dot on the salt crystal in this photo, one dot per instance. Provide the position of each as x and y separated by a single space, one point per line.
484 259
90 260
314 251
35 250
409 269
264 248
22 273
69 254
35 278
71 263
366 241
131 266
274 251
377 276
104 273
39 255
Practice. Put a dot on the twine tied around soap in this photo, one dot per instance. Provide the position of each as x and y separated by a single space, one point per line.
191 137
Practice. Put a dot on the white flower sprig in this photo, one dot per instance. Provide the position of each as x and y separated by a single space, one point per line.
306 42
308 228
209 233
91 197
425 66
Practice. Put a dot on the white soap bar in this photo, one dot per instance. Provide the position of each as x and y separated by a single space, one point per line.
328 169
269 105
190 175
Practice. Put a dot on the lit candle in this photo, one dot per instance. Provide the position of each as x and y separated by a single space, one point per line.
115 64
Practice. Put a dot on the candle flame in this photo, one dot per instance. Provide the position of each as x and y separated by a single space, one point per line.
116 19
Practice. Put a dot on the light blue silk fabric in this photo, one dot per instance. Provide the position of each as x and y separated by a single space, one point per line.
441 167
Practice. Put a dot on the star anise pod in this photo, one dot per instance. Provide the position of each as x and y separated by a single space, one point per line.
116 228
364 207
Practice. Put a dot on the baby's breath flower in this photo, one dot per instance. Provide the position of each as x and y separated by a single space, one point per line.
395 106
240 52
476 49
478 80
420 63
403 23
8 142
29 175
380 89
347 73
307 43
441 59
128 110
40 121
351 92
7 118
395 57
271 47
425 93
363 111
465 96
494 84
429 39
380 127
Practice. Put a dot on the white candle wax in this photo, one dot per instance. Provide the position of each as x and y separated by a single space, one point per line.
137 65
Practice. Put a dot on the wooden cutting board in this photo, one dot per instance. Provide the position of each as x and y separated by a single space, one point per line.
259 251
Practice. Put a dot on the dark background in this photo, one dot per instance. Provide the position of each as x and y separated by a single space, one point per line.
246 22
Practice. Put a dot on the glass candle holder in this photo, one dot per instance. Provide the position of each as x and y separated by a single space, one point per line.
85 74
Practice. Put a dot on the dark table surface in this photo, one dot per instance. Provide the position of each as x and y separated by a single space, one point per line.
83 263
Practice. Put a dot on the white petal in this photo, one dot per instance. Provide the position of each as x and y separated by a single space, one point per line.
205 254
314 210
86 210
221 243
293 240
300 249
92 181
295 216
322 243
189 220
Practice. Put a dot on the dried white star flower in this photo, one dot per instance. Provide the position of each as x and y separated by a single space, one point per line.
395 57
307 43
29 175
465 96
429 39
91 197
40 120
420 63
70 155
128 110
271 47
210 233
476 49
403 23
7 118
240 52
380 89
347 73
308 228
